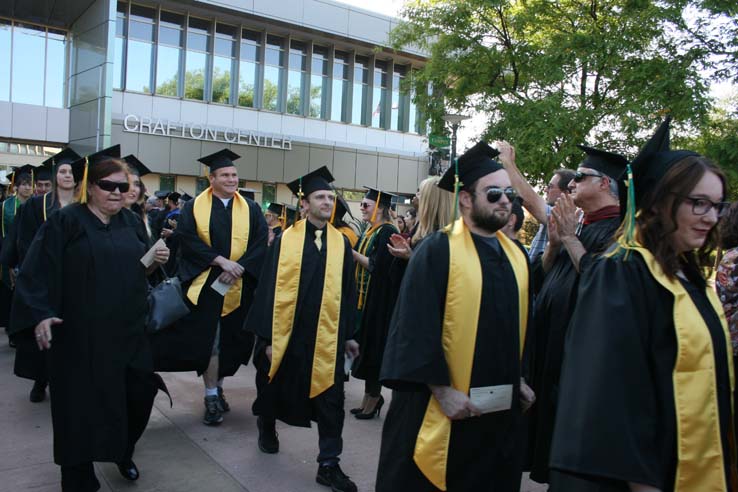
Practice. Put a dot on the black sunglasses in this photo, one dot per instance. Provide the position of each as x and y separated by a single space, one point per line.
580 176
494 194
111 186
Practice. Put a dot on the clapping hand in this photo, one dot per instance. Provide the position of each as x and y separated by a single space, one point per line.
400 247
565 216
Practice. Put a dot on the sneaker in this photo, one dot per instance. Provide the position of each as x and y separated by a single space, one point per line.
222 403
213 416
38 392
268 437
333 477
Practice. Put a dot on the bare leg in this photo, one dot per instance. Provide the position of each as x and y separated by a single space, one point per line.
210 376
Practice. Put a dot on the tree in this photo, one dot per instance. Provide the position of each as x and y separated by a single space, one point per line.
551 74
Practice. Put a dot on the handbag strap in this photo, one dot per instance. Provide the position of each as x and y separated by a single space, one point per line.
164 272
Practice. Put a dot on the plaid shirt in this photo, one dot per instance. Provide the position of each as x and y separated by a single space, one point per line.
541 240
727 289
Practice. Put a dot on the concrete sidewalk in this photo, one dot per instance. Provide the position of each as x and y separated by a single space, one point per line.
177 453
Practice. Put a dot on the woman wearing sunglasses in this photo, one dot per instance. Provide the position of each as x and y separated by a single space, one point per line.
82 293
645 391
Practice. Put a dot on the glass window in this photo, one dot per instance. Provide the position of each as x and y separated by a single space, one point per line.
120 41
248 71
56 56
29 48
339 94
273 73
268 194
319 83
201 184
296 77
196 60
166 183
169 54
379 95
361 91
5 36
398 110
225 49
140 48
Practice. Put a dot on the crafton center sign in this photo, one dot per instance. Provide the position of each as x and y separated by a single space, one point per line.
196 131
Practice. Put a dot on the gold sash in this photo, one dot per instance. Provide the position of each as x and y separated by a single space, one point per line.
460 321
700 464
361 274
239 241
286 290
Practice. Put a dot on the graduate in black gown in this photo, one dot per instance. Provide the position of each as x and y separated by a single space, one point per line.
222 237
30 362
571 248
645 393
276 217
134 199
459 325
375 297
82 292
307 282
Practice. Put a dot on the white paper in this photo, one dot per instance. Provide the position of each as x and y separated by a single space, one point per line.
492 398
220 287
148 259
347 362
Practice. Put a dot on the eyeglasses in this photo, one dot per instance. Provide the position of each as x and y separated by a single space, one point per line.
580 176
494 194
701 206
111 186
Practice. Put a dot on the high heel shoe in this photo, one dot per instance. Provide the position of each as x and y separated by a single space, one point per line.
360 409
374 412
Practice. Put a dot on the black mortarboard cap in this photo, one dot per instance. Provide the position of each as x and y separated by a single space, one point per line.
174 196
66 156
276 209
161 194
42 173
136 166
342 207
186 197
320 179
476 162
249 193
610 164
385 199
220 159
78 166
25 169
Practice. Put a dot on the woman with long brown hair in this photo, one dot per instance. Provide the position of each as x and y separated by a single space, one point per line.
645 391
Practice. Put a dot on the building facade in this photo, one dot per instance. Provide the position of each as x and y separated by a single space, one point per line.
290 85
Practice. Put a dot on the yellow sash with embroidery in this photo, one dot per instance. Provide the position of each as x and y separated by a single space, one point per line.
700 464
286 290
239 241
460 321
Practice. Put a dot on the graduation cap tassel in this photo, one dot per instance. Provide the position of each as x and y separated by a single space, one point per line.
12 183
457 186
333 212
33 182
376 207
83 185
630 214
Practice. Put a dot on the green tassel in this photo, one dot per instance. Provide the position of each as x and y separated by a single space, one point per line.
630 214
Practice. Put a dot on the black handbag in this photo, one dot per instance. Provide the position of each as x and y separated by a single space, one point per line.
166 304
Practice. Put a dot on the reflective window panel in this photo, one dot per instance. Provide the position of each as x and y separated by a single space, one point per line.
29 51
5 37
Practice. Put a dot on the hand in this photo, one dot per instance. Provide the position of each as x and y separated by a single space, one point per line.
230 267
400 247
227 278
165 233
352 348
553 233
455 404
527 396
172 223
565 215
507 153
161 255
393 215
268 352
43 332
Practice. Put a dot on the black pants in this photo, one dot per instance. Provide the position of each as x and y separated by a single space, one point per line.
79 478
373 388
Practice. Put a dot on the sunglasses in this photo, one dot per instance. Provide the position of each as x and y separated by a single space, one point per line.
364 205
494 194
580 176
111 186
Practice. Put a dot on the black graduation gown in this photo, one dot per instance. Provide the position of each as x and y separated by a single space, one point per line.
485 451
188 344
378 305
89 275
554 306
617 420
8 260
30 362
287 397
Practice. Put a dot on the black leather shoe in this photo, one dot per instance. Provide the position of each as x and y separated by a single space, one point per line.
128 470
333 477
374 412
213 415
268 437
222 403
38 392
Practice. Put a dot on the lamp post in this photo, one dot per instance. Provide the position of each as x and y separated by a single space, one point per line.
455 121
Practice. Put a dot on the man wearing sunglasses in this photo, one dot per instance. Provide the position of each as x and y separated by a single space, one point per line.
455 341
572 246
223 239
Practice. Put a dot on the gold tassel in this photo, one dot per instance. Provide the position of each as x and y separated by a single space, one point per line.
335 206
376 207
83 185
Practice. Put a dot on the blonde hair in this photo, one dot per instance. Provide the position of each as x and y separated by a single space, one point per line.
435 208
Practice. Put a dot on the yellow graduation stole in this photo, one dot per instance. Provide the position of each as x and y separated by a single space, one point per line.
239 241
350 235
460 321
700 464
286 289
